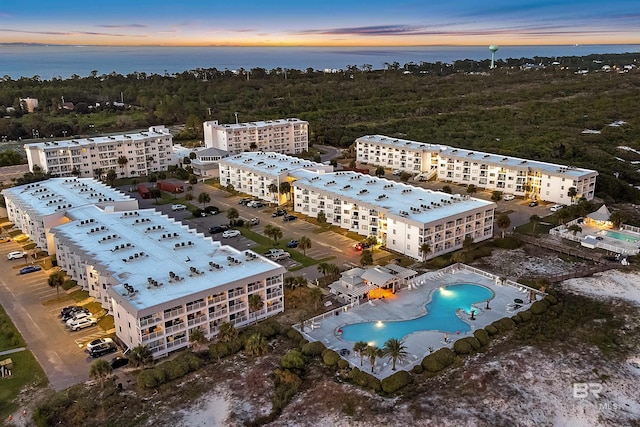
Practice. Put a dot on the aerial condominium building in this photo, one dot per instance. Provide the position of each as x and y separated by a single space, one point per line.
129 155
287 136
36 208
402 217
511 175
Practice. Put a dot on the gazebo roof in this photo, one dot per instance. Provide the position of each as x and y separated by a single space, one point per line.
601 214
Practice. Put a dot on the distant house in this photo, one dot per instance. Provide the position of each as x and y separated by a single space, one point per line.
599 218
29 104
354 284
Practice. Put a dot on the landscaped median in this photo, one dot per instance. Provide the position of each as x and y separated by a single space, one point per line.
25 369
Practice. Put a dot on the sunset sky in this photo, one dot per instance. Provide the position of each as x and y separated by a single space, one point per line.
320 23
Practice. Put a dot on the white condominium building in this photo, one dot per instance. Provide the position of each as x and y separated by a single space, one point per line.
160 279
512 175
36 208
144 152
287 136
261 174
401 216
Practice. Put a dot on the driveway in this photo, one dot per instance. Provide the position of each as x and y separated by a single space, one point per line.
34 309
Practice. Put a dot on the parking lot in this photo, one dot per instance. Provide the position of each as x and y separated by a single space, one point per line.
35 307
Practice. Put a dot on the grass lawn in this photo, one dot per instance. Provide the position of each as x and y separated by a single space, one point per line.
25 370
264 244
106 323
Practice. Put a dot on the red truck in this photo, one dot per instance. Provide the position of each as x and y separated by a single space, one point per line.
170 187
144 191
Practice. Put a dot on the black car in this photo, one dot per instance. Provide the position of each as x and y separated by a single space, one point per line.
292 244
258 205
288 218
73 314
218 229
279 212
119 362
212 210
534 203
102 349
244 201
70 309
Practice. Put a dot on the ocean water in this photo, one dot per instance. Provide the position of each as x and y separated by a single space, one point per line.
63 61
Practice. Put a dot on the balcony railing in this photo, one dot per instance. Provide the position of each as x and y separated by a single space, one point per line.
173 313
150 321
191 307
152 336
197 320
177 342
175 328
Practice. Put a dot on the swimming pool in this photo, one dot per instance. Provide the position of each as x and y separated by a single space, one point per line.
621 236
441 316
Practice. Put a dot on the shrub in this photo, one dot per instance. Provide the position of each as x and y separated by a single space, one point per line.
551 299
462 346
313 348
525 316
293 359
219 350
474 342
396 381
505 324
364 379
431 364
343 364
294 335
268 329
445 355
545 302
330 358
538 307
417 369
482 336
491 330
516 319
147 379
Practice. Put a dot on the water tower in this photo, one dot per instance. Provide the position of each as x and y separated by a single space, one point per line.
493 48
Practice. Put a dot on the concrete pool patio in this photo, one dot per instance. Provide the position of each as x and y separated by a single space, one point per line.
409 303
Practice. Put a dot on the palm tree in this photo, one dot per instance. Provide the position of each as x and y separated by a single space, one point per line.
256 345
189 189
100 369
425 249
379 171
316 296
395 350
154 193
273 189
255 304
617 218
122 162
140 356
197 338
573 192
322 217
272 232
322 268
372 352
56 280
227 332
232 215
575 229
304 244
366 258
467 244
359 348
534 220
471 189
503 222
285 188
333 270
204 198
111 176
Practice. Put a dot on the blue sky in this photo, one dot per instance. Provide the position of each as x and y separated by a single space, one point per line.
321 23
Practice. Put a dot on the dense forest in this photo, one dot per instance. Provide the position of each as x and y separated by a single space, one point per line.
537 108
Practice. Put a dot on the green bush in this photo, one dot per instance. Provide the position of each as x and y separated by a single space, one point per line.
364 379
462 346
491 330
509 242
475 343
396 381
538 307
445 355
431 364
313 348
343 364
482 336
545 302
268 329
330 358
551 299
516 319
293 359
219 350
147 379
417 369
175 369
503 325
294 335
525 316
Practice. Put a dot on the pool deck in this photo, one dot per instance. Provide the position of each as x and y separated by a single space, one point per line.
409 303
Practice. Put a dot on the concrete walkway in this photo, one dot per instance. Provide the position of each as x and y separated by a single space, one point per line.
13 350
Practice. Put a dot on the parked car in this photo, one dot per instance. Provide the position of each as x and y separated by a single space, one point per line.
77 316
534 203
30 269
288 218
508 197
71 314
244 201
251 202
119 362
397 172
102 349
212 210
85 322
292 244
556 208
178 207
16 255
280 256
279 212
231 233
70 309
98 342
257 205
254 221
360 246
218 229
273 251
